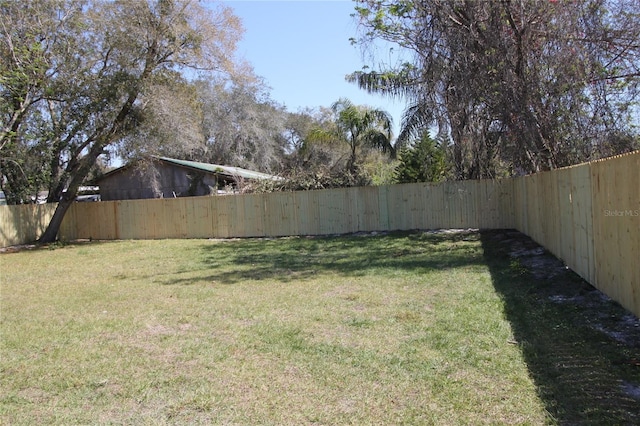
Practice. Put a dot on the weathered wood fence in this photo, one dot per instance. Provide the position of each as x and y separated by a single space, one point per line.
587 215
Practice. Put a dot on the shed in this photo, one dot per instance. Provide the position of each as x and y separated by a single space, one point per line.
164 177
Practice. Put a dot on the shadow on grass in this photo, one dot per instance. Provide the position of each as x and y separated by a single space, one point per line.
286 259
581 348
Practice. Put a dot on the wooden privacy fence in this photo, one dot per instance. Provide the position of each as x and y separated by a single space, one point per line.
24 224
587 215
483 204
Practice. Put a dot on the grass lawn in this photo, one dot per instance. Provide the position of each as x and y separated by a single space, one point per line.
402 328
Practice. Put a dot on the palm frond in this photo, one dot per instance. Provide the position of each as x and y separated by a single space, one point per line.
379 140
395 84
416 119
322 137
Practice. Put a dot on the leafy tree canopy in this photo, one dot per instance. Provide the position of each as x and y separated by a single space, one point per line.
77 77
519 87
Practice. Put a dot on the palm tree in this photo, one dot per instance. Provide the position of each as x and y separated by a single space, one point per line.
358 126
406 84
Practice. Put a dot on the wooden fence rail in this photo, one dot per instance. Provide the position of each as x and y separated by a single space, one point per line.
587 215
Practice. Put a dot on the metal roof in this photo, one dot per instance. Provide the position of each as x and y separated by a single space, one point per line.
223 170
229 171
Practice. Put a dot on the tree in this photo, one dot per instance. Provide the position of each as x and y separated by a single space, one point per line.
357 127
423 162
31 37
170 124
85 71
529 85
241 125
303 156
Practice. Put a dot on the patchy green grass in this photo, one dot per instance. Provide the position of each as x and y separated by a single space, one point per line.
407 328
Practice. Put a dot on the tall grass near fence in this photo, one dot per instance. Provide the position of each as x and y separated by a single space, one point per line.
587 215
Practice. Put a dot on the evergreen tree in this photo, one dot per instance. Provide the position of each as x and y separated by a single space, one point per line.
423 162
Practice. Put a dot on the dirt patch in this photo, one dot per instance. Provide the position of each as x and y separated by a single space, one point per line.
603 314
530 255
45 246
18 248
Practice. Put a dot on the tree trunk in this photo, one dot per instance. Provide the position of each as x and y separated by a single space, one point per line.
79 169
83 167
51 233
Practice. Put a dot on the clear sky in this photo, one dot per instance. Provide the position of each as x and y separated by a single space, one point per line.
302 50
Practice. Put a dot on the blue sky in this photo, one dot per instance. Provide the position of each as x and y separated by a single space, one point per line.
302 50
